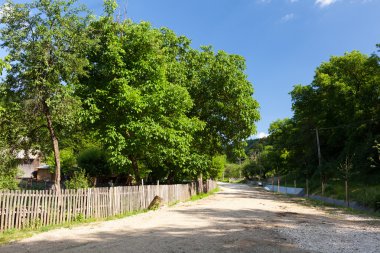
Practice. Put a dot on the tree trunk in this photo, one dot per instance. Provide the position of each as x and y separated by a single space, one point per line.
323 181
200 179
347 199
171 177
136 170
307 187
54 140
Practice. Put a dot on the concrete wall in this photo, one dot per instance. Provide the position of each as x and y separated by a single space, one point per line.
286 190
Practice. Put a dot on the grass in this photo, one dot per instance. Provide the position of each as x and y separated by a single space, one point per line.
365 194
204 195
331 208
361 194
14 234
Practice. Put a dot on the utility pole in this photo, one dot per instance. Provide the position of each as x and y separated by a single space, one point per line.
320 161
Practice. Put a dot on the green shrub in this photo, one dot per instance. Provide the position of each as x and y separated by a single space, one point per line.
368 196
232 170
78 180
8 181
8 172
94 162
217 166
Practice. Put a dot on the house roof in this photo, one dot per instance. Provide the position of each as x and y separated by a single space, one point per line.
31 154
43 167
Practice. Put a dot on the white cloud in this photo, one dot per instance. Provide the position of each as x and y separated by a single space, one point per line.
324 3
293 1
287 17
261 135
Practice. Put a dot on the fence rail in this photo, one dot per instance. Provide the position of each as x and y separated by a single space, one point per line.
25 209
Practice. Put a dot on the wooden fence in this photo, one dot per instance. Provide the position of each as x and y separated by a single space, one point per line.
25 209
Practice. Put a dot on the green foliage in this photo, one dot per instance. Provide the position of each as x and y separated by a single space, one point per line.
68 160
78 180
141 114
222 98
8 171
204 195
8 179
217 167
160 108
45 40
342 102
375 157
79 218
368 196
232 170
253 169
94 162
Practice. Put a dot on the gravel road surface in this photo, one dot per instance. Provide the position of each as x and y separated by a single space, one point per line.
237 219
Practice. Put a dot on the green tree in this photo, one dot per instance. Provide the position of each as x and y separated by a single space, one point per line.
45 40
217 167
343 103
95 162
222 98
140 116
347 171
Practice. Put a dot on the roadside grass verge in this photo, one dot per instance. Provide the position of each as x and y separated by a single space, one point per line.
14 234
204 195
366 195
331 208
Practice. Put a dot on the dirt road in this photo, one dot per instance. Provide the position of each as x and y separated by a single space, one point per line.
237 219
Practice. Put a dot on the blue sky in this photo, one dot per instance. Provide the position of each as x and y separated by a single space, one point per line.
283 41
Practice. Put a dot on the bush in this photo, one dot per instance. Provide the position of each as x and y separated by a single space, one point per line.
217 166
368 196
8 181
94 162
232 170
68 160
8 172
78 180
252 169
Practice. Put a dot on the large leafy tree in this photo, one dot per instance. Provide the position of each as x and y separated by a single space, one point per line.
343 102
341 107
45 40
139 114
222 98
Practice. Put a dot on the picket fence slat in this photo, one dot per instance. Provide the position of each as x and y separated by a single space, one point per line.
24 209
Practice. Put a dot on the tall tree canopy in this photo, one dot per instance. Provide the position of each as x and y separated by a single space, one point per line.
343 103
222 98
158 102
139 114
341 107
45 41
